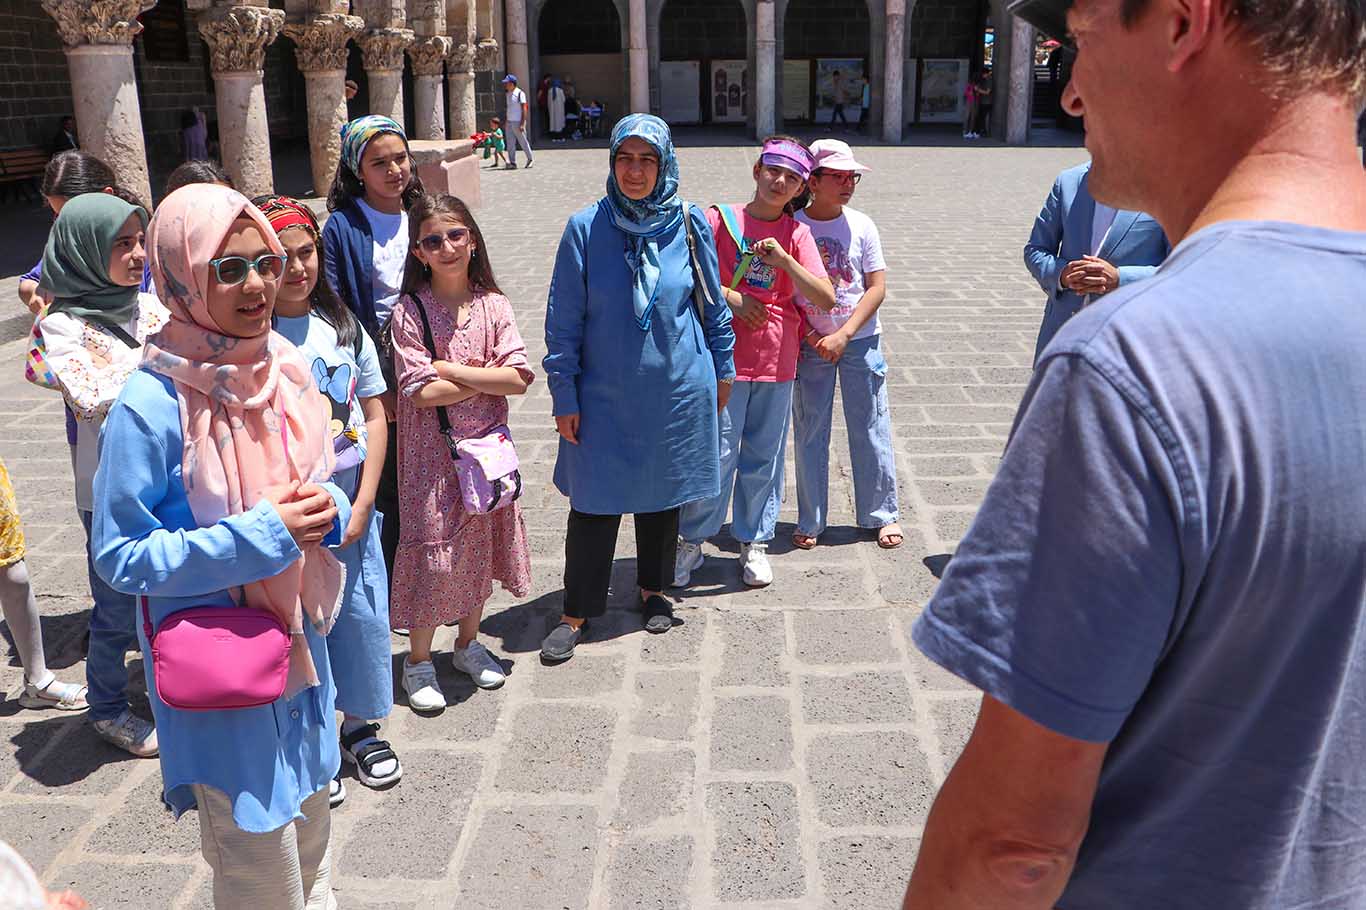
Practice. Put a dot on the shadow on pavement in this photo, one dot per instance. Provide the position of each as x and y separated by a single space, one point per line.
78 755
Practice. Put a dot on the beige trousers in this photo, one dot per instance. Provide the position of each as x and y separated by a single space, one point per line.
285 869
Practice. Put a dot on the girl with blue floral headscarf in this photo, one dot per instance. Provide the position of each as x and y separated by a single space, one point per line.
638 340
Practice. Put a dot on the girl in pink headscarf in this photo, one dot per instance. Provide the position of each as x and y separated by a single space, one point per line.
213 492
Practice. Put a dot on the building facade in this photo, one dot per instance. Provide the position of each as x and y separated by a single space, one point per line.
133 72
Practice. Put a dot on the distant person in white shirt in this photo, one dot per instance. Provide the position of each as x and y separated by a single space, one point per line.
514 126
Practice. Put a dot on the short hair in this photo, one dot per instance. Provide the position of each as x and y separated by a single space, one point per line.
495 121
1304 44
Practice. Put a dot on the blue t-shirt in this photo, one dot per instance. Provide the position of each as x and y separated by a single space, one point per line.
1170 560
343 376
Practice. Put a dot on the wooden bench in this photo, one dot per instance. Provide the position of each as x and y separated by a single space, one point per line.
22 168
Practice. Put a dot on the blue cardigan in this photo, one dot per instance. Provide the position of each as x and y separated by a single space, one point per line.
348 262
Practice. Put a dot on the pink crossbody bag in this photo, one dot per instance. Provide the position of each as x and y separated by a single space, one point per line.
219 658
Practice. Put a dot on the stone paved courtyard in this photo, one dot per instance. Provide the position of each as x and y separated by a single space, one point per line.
780 748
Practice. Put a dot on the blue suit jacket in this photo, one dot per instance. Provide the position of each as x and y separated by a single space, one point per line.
1136 244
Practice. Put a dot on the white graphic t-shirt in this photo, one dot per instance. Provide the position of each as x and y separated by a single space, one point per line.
390 254
850 247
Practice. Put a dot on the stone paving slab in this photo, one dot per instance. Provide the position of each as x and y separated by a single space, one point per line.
778 748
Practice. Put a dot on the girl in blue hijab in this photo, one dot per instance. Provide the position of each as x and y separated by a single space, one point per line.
639 363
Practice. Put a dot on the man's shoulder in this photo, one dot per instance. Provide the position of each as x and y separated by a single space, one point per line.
1072 177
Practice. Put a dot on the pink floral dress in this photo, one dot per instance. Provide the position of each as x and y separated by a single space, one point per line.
448 559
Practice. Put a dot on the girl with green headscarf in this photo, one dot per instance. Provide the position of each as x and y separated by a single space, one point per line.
92 334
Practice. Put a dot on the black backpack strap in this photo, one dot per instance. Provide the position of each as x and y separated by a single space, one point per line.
119 333
442 421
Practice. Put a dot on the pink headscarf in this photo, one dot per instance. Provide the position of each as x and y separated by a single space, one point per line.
251 415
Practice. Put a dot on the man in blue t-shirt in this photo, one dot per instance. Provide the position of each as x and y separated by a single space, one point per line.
1163 596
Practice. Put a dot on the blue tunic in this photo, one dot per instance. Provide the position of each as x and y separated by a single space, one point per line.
646 399
145 539
359 642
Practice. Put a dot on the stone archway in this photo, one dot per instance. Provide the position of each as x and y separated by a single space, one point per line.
584 40
704 50
814 36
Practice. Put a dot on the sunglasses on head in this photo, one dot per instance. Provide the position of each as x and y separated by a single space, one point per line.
233 270
433 242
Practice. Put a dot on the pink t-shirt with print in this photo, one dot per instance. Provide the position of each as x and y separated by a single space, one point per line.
768 353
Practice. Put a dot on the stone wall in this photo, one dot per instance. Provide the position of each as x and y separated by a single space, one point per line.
167 88
35 88
579 27
946 28
702 30
826 28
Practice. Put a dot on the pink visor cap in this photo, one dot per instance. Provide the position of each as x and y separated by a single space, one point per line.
834 155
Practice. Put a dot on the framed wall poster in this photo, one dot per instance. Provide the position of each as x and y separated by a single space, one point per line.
909 82
728 91
838 82
941 90
680 91
796 89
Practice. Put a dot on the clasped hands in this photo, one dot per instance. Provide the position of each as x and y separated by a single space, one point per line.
1090 275
307 510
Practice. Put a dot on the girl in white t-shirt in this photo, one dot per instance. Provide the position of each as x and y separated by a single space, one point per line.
844 343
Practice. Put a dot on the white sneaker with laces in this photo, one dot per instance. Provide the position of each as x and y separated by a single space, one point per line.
754 564
424 692
130 733
687 559
476 662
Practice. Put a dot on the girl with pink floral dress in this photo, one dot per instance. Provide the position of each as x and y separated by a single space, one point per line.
448 558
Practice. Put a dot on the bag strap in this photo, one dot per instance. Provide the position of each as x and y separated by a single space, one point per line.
442 421
737 235
119 333
701 294
146 618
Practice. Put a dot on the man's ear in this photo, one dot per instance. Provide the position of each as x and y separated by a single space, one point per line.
1188 27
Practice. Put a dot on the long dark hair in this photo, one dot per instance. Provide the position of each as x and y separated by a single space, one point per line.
74 173
434 205
197 170
799 201
346 184
324 300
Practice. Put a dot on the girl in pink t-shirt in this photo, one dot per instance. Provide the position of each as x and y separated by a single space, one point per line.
766 258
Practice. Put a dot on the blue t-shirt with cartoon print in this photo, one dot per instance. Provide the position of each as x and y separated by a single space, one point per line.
343 376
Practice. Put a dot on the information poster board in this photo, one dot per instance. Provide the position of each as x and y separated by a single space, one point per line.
728 92
941 90
839 82
910 82
796 89
680 92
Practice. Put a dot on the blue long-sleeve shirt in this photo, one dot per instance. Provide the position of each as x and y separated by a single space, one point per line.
646 400
146 541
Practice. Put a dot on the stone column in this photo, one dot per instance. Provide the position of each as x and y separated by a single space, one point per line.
429 56
894 73
639 60
460 76
1020 92
519 64
98 39
321 46
237 37
765 81
382 49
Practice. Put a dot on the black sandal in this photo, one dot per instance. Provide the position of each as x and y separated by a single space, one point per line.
366 756
659 614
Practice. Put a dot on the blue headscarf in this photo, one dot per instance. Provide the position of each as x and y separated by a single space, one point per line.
644 220
356 135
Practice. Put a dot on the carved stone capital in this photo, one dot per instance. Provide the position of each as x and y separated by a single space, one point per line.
429 54
382 48
237 36
461 58
321 42
486 54
101 22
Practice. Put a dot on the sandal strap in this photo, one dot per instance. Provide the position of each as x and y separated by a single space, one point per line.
360 734
63 692
372 753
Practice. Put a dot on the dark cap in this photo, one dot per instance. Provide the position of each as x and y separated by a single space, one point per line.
1048 16
509 78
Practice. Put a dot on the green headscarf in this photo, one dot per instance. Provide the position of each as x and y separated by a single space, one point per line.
76 260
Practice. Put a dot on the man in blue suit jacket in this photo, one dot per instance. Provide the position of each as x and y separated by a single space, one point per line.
1080 250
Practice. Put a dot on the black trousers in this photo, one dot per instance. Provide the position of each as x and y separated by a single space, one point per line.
591 540
386 501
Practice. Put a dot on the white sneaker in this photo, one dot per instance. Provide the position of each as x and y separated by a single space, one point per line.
419 681
686 559
476 662
130 733
754 564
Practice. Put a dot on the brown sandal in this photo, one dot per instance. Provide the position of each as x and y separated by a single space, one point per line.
885 535
803 541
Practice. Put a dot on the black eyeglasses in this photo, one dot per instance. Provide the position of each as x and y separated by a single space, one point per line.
233 270
850 177
433 242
